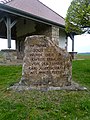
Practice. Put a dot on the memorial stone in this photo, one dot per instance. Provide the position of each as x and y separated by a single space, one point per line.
45 64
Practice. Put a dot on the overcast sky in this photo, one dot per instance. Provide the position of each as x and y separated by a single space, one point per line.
82 43
59 6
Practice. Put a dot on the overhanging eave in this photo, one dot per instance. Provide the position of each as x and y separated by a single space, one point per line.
21 13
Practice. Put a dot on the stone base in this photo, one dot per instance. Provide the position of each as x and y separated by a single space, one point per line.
73 87
9 57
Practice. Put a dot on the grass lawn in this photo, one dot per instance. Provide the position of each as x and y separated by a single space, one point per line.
52 105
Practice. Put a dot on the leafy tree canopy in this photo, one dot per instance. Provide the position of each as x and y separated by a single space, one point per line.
78 16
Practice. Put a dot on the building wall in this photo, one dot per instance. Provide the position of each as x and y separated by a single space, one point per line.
62 39
59 37
24 26
55 34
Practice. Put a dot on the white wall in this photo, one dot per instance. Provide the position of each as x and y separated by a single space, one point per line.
4 44
62 39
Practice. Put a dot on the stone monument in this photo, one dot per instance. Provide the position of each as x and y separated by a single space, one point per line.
45 64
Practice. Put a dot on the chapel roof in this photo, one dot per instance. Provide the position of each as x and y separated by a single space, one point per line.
37 9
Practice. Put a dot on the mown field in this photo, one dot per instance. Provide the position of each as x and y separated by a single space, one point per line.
83 56
51 105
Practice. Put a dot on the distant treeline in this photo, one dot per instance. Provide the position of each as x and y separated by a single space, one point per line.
88 53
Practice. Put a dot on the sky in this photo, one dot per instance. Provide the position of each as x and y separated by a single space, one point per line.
82 42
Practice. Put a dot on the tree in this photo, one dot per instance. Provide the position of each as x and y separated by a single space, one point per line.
78 17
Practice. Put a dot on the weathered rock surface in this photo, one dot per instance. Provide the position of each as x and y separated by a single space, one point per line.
45 64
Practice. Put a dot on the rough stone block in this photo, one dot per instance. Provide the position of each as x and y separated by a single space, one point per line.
45 64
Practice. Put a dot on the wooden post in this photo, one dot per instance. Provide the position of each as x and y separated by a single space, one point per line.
9 25
72 45
9 32
72 37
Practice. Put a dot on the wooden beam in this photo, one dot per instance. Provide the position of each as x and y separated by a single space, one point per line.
13 23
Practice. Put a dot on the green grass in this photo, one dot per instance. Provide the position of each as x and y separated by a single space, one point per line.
51 105
81 72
